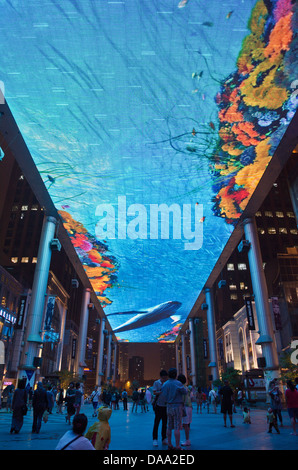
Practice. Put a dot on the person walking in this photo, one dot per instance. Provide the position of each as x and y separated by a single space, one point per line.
95 397
51 399
226 396
75 439
124 400
60 400
240 398
19 407
135 399
172 393
78 398
148 398
30 396
187 415
142 401
272 421
213 397
9 399
39 405
199 399
275 397
70 398
292 404
160 409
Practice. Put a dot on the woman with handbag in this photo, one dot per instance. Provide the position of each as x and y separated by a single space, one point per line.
19 407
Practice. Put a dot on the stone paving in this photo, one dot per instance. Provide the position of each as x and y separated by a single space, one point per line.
133 431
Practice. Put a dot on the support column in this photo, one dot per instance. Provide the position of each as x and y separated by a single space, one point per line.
211 334
192 353
109 350
183 355
83 333
61 341
99 373
115 364
177 355
33 339
266 338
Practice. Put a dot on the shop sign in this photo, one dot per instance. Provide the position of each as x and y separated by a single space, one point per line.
21 312
4 313
249 313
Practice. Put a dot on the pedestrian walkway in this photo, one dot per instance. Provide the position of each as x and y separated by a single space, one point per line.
133 431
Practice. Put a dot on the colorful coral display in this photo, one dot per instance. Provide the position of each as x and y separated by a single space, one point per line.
255 104
100 268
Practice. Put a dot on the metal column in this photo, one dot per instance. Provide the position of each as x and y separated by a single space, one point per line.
183 355
99 373
266 338
33 339
83 332
192 353
211 334
177 356
109 352
115 364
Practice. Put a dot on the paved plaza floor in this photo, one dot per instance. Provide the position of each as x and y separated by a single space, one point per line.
133 432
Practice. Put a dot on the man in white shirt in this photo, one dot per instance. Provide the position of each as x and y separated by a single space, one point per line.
160 409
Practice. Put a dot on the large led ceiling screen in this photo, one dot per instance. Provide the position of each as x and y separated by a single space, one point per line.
151 123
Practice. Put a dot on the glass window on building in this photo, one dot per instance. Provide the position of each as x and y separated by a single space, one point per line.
242 266
271 230
230 267
243 354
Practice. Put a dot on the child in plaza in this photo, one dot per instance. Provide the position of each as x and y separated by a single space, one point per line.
272 421
100 432
246 415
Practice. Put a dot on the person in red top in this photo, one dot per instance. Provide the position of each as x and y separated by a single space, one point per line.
292 404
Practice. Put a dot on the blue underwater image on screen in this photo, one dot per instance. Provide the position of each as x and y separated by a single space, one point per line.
151 123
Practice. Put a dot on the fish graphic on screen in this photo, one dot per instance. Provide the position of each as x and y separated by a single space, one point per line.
149 316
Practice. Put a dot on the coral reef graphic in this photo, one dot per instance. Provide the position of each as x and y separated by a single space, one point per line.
100 267
256 104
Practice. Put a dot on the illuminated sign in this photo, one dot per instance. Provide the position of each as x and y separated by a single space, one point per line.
151 124
6 315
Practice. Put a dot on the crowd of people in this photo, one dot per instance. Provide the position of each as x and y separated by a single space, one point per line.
172 400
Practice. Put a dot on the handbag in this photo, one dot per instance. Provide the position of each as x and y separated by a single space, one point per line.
45 416
154 403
